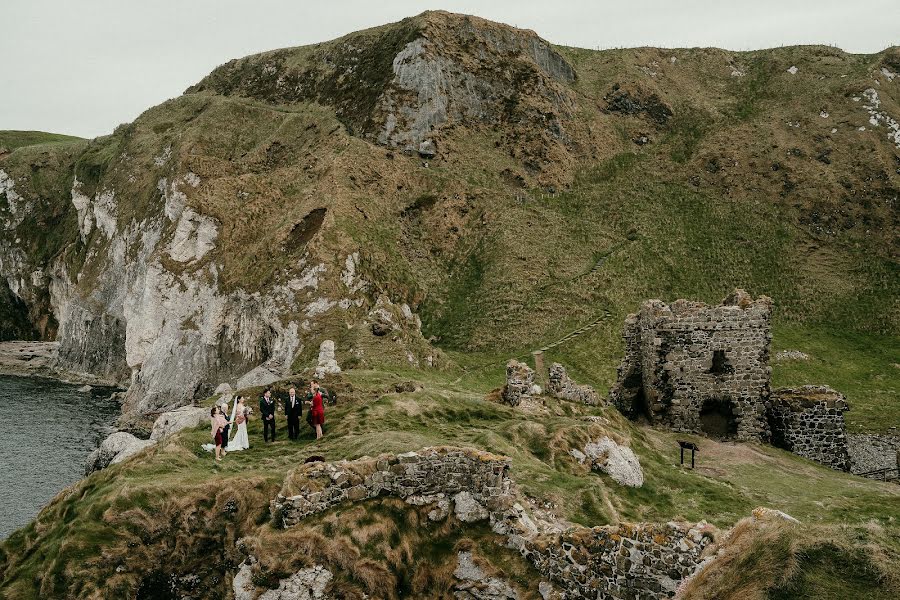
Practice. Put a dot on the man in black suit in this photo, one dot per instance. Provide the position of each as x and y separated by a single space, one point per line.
293 410
267 410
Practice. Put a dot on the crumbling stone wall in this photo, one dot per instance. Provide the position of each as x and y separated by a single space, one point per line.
698 368
870 452
519 382
560 385
619 562
809 421
476 480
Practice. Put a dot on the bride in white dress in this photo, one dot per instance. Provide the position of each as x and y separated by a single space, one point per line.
240 441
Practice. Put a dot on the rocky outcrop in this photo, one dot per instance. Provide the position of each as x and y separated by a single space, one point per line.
519 383
114 449
477 480
619 462
173 421
327 363
562 386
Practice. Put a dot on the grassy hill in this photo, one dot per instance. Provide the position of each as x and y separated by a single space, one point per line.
171 512
11 139
561 188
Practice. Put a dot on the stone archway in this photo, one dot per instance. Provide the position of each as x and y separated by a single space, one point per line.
717 418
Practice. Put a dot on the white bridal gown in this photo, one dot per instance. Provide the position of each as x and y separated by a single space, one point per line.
240 441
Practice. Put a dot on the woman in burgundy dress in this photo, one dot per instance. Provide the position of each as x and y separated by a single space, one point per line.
218 426
317 412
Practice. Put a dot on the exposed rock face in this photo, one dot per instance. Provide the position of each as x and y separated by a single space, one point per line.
519 383
427 75
26 358
261 375
809 421
114 449
619 462
327 363
562 386
474 584
698 368
173 421
871 452
427 476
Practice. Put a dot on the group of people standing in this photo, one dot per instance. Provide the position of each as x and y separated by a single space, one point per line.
293 410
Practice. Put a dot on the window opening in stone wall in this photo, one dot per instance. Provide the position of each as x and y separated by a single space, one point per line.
717 418
720 364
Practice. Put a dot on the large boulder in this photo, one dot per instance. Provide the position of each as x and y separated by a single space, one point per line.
173 421
519 383
619 462
114 449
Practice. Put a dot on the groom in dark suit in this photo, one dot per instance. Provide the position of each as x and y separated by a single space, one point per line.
293 410
267 411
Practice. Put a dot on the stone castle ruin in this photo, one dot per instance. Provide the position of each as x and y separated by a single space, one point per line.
705 369
693 367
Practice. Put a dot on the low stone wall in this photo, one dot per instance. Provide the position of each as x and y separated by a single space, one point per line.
478 479
562 386
809 421
870 452
619 562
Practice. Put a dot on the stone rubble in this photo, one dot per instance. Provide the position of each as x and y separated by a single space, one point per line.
619 562
306 584
562 386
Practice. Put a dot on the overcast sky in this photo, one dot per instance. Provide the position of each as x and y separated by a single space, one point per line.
82 67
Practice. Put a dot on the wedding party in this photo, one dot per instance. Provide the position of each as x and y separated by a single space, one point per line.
229 426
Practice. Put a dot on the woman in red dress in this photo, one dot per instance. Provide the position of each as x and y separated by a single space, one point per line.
317 411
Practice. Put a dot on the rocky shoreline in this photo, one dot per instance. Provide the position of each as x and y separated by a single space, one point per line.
37 359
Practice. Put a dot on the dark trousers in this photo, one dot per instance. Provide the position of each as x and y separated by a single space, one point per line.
225 435
268 424
293 426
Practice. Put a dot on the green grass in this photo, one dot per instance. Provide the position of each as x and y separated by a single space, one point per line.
11 139
864 367
145 499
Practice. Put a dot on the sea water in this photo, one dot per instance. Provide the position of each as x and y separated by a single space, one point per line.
47 429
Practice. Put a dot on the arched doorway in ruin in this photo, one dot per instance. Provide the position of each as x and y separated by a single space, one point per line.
717 418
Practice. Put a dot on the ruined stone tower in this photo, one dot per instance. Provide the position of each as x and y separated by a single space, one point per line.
698 368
